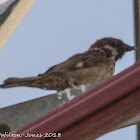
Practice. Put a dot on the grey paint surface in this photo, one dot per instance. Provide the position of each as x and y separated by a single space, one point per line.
6 8
19 115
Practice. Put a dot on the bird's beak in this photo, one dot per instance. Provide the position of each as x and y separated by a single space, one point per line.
129 48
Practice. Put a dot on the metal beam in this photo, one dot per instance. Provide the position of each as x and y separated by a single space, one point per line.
137 41
19 115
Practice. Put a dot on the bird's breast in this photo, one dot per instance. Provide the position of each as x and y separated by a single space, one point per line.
95 74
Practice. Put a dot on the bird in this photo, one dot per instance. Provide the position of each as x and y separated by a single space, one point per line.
93 66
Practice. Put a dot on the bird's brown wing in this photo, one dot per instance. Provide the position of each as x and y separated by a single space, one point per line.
79 61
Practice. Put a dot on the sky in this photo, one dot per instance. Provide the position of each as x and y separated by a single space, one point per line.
53 31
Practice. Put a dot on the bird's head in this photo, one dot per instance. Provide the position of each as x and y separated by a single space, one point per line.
113 47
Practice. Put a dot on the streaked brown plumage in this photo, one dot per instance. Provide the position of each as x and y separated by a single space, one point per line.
94 66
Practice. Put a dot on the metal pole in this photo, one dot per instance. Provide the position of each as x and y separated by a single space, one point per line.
137 41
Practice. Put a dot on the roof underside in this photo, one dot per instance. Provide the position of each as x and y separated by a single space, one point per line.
12 12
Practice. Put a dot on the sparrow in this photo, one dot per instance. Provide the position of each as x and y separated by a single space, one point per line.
93 66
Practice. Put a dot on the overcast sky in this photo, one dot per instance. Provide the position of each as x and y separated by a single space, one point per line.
53 31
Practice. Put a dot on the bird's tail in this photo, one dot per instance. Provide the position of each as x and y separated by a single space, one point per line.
17 82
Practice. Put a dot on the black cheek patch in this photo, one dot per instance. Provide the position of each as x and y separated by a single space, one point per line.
108 52
85 65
